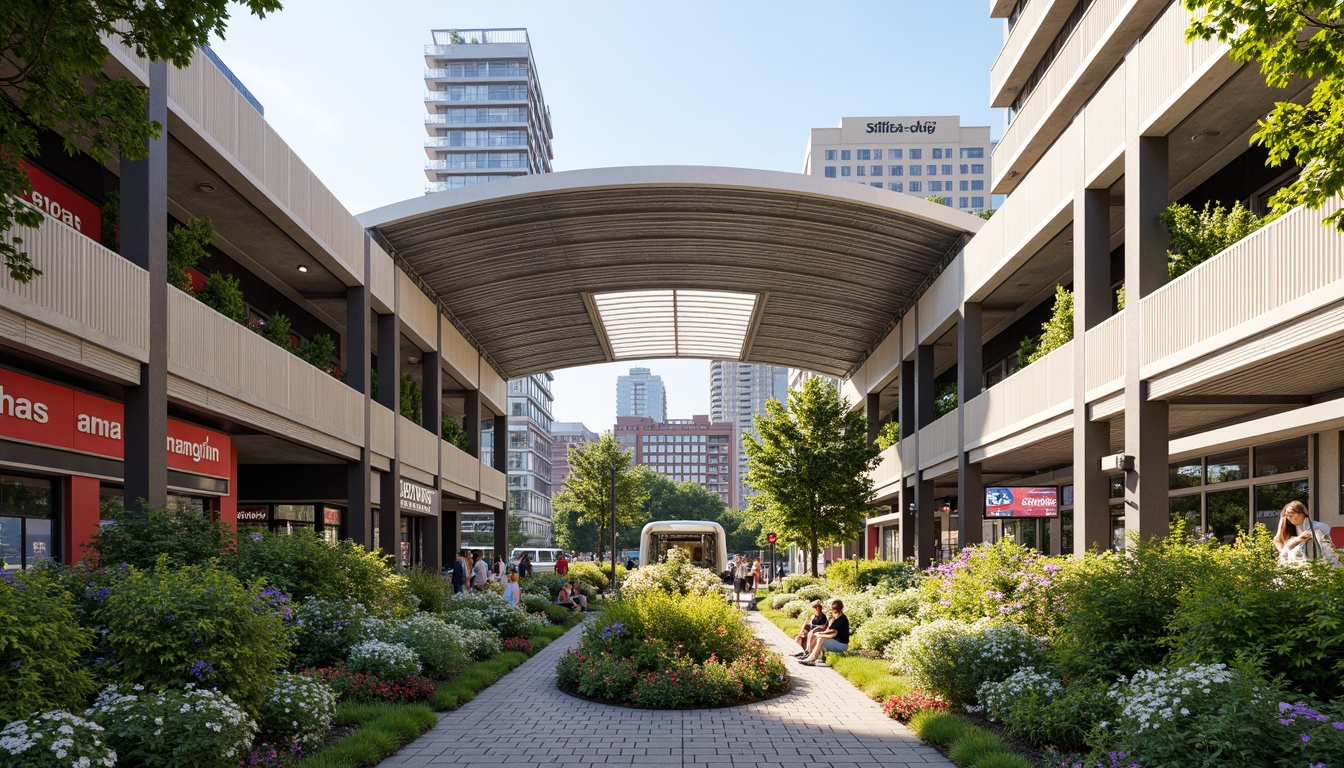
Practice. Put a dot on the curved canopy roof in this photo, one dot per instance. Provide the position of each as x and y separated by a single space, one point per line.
556 270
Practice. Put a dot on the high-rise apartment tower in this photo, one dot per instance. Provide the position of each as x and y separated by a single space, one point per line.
737 393
641 393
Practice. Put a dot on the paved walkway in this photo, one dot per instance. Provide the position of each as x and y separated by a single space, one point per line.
524 720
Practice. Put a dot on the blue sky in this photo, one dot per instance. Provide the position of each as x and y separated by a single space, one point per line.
629 82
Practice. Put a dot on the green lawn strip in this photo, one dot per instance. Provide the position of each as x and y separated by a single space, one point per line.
384 728
872 676
779 619
967 745
478 676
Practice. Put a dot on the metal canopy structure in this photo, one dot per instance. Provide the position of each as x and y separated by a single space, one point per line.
557 270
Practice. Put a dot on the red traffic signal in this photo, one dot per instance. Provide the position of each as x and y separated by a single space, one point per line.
770 537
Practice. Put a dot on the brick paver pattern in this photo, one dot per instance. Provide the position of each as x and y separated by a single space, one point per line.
525 720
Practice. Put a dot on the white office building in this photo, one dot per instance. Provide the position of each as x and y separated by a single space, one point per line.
485 114
921 156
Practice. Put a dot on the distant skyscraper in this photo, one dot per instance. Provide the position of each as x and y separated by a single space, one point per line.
486 117
694 449
737 393
563 435
641 394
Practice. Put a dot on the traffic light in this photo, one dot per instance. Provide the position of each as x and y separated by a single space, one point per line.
770 537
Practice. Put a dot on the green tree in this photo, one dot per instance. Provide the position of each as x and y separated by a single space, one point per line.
939 199
986 214
570 532
320 352
888 435
451 430
186 247
1196 236
53 79
809 467
1294 41
411 398
589 484
1058 330
945 400
276 330
679 501
223 294
744 531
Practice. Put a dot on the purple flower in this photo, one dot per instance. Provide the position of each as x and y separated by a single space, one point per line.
201 670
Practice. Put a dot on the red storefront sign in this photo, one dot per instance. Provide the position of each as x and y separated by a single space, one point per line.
64 204
1022 502
43 413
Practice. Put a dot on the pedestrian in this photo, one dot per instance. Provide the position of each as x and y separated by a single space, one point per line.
459 578
1300 538
512 592
501 569
480 571
525 566
561 565
736 570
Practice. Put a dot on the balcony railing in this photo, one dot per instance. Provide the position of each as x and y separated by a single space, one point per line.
460 467
1034 394
889 471
417 446
938 441
1011 53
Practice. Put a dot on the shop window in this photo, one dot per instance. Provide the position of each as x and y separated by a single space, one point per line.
1228 513
290 517
1281 458
1066 531
1226 467
1118 527
27 521
1185 474
1185 509
1117 483
1270 499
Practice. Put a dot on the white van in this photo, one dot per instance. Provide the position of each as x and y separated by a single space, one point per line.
543 559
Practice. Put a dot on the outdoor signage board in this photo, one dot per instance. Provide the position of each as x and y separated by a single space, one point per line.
63 204
42 413
254 514
1004 502
418 499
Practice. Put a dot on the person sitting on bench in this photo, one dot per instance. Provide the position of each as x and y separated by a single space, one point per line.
566 598
835 637
816 622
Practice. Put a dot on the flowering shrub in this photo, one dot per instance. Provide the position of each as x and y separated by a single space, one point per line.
40 646
1195 715
543 606
1312 738
1003 579
518 644
871 573
52 739
796 581
297 709
438 645
389 661
268 755
813 592
699 625
907 705
675 575
880 632
468 618
356 686
1040 709
601 676
325 630
954 658
480 644
795 608
199 625
305 566
778 601
190 726
905 603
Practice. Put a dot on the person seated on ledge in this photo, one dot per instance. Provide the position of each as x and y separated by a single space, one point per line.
566 598
835 637
816 622
576 594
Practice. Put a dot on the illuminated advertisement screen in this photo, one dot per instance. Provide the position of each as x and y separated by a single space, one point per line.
1001 502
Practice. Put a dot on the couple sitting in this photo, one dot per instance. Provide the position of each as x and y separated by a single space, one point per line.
572 597
819 635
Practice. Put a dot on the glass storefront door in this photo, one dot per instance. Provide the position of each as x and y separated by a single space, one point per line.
27 521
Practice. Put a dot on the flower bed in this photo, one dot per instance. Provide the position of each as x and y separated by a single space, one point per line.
665 650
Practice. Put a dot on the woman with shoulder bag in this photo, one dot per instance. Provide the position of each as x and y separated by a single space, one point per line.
1300 538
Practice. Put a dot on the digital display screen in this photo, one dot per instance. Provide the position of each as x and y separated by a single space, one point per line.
1005 502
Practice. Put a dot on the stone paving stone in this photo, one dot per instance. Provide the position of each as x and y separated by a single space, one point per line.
524 721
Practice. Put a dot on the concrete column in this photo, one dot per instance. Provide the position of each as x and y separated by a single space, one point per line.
500 460
450 534
1091 306
431 413
471 422
358 352
970 378
389 512
925 541
907 504
872 409
1147 511
906 394
433 552
144 241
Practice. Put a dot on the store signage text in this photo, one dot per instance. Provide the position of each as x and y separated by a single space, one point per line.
40 412
254 515
417 498
886 126
63 204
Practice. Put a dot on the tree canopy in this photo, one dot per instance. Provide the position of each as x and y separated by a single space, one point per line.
810 467
589 488
51 78
1293 41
